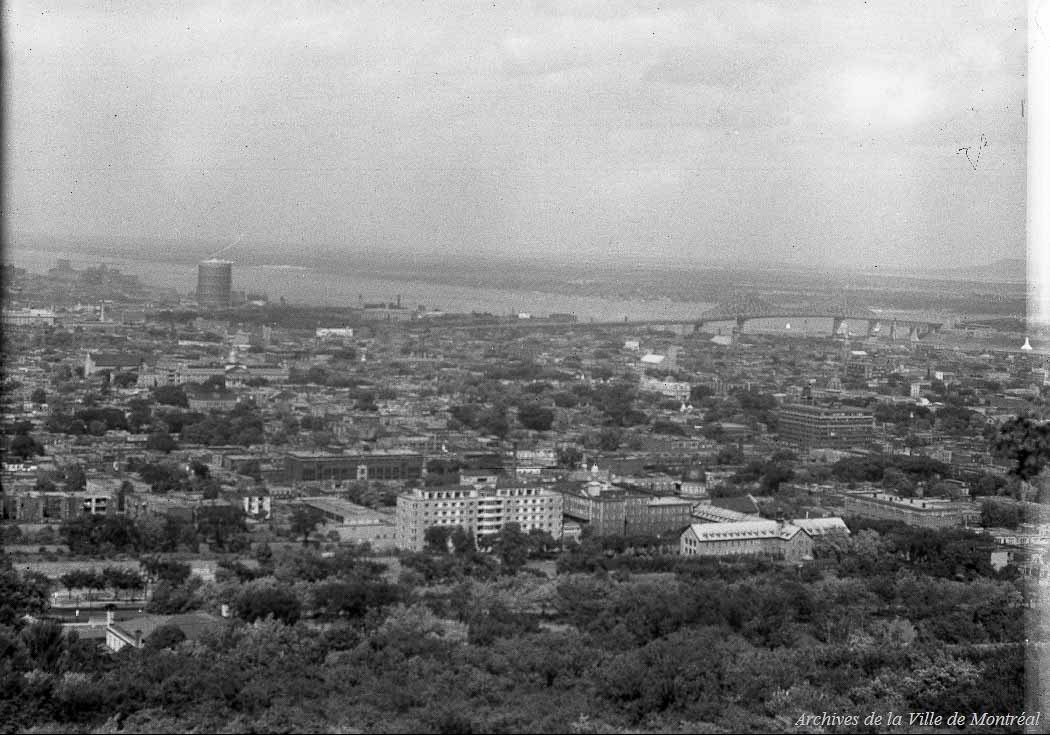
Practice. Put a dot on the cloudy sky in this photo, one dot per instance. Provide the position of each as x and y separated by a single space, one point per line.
821 131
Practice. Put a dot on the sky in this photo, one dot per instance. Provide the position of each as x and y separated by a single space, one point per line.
845 132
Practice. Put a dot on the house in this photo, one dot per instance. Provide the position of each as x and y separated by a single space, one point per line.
135 631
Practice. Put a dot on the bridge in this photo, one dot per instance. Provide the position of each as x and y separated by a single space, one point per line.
751 306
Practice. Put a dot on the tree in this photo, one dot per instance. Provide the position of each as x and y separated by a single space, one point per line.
75 479
124 380
616 401
463 541
494 421
512 547
161 441
569 456
220 523
535 417
609 438
23 447
436 538
1025 443
304 520
165 636
895 481
1001 514
171 395
259 600
165 570
38 396
21 594
78 579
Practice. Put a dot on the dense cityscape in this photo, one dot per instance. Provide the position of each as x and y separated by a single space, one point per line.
559 366
221 513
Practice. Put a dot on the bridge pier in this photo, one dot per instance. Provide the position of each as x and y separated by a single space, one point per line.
893 330
836 326
913 333
739 325
873 327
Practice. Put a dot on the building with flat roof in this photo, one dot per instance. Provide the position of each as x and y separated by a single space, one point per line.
355 523
214 284
809 427
481 510
610 510
27 318
922 512
337 468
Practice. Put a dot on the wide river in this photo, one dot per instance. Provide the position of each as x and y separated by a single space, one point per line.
336 288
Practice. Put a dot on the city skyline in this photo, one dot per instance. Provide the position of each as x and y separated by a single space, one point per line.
855 136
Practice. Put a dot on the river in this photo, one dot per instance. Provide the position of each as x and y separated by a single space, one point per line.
332 287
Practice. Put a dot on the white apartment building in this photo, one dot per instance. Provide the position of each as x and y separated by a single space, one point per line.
482 511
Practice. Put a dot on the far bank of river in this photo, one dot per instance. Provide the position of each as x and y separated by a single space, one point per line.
331 288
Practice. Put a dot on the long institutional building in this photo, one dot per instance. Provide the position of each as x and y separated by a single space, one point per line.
481 510
336 468
787 540
614 511
922 512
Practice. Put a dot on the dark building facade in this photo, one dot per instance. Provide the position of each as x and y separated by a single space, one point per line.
614 511
310 467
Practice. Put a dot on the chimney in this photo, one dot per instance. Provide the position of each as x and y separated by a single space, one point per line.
138 639
109 617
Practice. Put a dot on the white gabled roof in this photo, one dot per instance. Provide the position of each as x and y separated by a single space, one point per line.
743 530
822 526
716 514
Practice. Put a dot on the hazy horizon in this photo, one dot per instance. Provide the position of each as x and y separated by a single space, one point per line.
847 135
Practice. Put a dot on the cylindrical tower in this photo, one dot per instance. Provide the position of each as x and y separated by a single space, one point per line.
214 279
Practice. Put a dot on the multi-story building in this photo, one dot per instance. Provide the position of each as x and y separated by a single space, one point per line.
923 512
355 523
100 361
482 511
202 399
28 318
810 427
774 539
214 282
609 510
337 468
669 388
32 506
